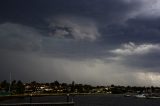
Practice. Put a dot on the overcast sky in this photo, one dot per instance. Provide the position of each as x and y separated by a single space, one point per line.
98 42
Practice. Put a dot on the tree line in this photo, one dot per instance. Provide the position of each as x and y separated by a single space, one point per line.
15 86
18 87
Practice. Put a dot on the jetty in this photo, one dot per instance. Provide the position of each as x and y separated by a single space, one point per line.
31 103
41 104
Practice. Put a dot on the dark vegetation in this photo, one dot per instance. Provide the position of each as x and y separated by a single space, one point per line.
18 87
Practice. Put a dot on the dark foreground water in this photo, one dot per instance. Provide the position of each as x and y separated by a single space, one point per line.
92 100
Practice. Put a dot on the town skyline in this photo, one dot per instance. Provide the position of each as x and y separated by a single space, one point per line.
61 88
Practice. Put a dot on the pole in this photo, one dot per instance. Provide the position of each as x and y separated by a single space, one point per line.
10 82
67 97
30 98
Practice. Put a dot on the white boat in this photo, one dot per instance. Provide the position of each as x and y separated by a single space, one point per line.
153 96
128 94
140 96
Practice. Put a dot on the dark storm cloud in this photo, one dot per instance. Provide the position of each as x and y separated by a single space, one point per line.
19 37
138 56
34 12
73 27
135 30
80 40
110 12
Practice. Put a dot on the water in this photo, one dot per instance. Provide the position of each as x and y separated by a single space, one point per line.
92 100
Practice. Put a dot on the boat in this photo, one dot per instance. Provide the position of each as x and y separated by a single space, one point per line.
153 96
140 96
127 95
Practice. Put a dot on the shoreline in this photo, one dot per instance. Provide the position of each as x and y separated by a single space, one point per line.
6 97
52 94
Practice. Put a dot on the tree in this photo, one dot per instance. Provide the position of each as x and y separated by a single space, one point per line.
79 88
64 86
20 87
5 85
13 86
56 83
73 86
34 85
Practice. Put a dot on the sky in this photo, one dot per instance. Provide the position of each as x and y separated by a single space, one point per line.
97 42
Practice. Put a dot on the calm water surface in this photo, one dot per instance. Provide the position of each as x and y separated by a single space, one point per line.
92 100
